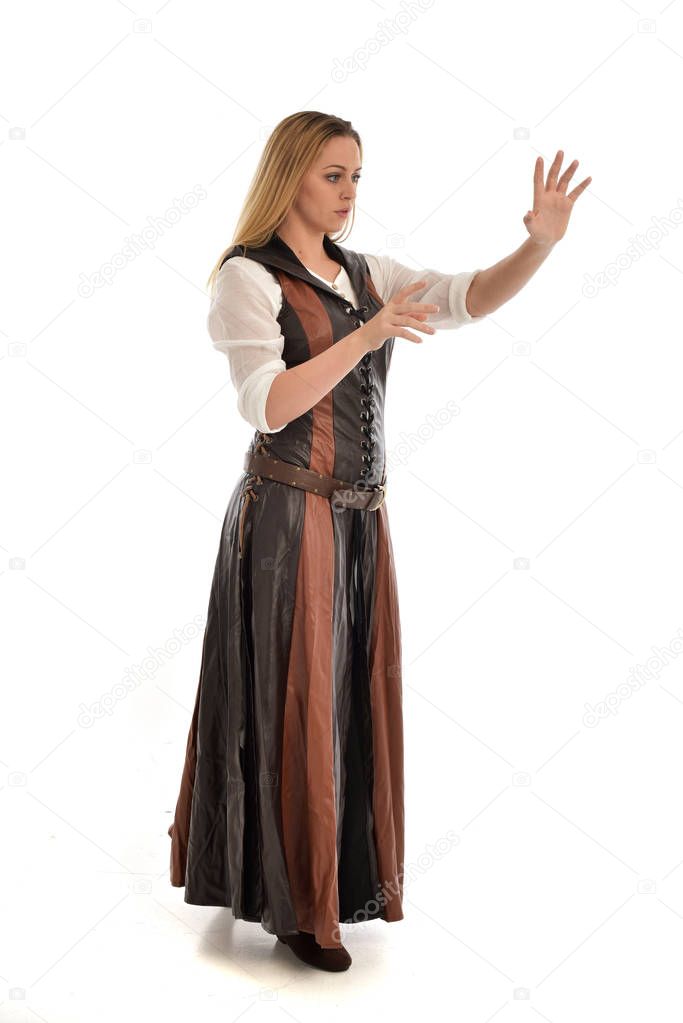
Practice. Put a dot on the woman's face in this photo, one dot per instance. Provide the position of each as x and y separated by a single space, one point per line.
329 186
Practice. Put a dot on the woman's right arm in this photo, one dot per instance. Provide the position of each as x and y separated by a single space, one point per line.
269 395
300 388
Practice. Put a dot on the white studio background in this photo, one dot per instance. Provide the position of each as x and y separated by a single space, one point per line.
535 501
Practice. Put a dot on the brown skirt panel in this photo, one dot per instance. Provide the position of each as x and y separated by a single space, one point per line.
308 782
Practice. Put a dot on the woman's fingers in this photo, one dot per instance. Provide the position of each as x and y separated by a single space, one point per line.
401 297
409 288
538 182
399 312
551 183
576 192
410 321
567 176
416 307
400 305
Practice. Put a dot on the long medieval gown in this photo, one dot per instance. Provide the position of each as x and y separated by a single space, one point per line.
291 801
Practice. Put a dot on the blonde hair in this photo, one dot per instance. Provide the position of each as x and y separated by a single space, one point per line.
290 150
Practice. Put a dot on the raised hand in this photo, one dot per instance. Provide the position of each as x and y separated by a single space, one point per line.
547 221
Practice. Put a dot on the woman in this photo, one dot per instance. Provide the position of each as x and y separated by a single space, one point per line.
291 799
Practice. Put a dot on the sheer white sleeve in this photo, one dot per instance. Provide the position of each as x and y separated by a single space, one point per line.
242 323
445 290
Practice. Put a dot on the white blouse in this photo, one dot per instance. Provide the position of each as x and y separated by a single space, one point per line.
247 299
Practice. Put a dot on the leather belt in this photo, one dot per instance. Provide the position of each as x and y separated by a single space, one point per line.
339 492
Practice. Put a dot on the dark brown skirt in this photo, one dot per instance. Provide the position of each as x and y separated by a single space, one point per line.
291 798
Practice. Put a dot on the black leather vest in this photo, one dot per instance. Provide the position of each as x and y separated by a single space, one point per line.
313 316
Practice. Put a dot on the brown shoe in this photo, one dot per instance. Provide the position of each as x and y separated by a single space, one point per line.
306 948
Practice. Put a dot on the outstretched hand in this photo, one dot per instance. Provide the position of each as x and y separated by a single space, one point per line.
547 221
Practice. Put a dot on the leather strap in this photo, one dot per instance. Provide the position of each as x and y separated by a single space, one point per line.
341 493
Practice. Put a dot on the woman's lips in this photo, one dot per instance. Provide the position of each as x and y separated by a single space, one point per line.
342 213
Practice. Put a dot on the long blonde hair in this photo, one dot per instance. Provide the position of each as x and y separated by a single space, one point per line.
290 150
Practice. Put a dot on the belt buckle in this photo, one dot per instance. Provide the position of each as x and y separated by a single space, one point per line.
373 503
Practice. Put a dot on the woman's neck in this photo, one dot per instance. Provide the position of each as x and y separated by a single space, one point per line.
307 247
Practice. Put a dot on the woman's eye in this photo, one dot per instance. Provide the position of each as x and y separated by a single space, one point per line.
330 176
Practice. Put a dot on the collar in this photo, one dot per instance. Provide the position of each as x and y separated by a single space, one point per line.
276 253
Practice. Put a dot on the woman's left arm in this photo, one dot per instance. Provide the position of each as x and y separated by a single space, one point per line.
546 224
